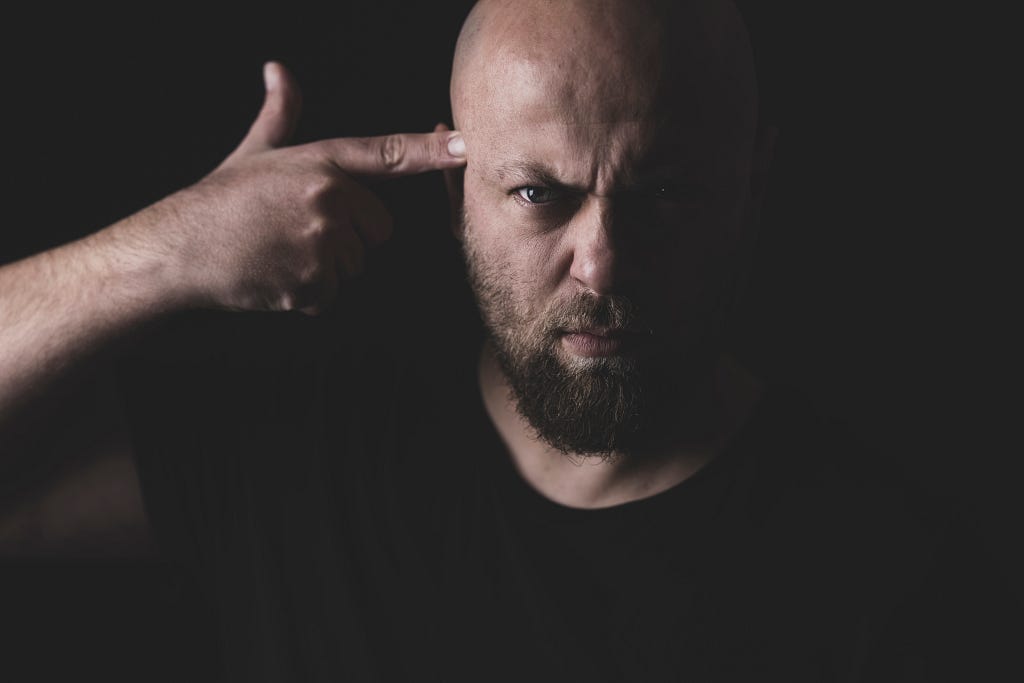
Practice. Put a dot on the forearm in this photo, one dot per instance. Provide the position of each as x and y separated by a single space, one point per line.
63 310
273 228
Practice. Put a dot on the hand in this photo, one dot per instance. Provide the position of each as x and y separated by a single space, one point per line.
276 228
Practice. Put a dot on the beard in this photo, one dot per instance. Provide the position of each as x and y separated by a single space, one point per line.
622 405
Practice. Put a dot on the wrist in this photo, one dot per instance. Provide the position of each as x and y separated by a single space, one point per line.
140 267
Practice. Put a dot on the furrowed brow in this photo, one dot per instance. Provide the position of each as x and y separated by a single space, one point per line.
532 173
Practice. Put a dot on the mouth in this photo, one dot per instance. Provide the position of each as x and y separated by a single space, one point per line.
596 342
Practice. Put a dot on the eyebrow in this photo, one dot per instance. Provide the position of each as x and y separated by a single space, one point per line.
535 173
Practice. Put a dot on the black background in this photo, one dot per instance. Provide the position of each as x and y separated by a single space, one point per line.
880 287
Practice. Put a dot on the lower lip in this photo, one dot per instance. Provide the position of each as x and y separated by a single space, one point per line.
593 345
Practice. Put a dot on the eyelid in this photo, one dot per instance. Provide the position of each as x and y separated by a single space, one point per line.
559 193
672 190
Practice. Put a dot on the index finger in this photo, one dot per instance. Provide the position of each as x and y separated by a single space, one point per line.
396 155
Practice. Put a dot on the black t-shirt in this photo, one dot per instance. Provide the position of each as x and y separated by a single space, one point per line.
354 516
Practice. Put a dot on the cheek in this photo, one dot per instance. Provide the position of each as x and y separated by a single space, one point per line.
680 279
693 288
523 258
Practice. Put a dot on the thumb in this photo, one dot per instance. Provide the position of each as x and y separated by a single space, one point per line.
276 121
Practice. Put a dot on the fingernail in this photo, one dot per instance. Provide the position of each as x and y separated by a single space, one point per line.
457 146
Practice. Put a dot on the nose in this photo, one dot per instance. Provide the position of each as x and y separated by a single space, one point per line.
597 258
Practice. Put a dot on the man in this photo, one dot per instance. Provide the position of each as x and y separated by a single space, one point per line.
589 490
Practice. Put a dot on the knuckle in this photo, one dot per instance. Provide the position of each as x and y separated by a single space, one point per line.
313 310
301 292
439 149
314 289
319 188
287 302
311 275
318 229
391 150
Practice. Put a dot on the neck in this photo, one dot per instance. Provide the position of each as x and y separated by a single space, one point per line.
716 411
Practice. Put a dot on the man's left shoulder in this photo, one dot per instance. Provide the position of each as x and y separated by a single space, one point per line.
803 449
818 479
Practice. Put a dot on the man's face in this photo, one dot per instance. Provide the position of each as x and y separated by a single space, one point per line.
600 213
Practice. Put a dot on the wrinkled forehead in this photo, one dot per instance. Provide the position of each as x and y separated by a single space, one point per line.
521 91
620 123
597 85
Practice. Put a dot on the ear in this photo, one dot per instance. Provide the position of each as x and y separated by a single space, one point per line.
453 181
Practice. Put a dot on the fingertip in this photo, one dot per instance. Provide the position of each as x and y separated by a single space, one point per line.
456 146
441 127
271 75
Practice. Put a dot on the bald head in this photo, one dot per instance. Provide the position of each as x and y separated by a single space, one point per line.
683 63
609 149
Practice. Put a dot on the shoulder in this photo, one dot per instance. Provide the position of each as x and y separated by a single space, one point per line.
804 450
851 536
822 490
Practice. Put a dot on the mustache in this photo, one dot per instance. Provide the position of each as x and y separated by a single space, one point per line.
584 311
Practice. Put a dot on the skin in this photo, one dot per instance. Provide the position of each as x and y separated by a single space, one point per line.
536 112
272 228
278 227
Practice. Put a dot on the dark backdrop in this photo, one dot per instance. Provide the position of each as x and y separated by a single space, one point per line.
879 285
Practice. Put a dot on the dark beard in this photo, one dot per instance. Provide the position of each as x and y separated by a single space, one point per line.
606 407
603 407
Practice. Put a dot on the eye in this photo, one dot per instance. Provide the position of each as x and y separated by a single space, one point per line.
678 193
671 192
538 195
